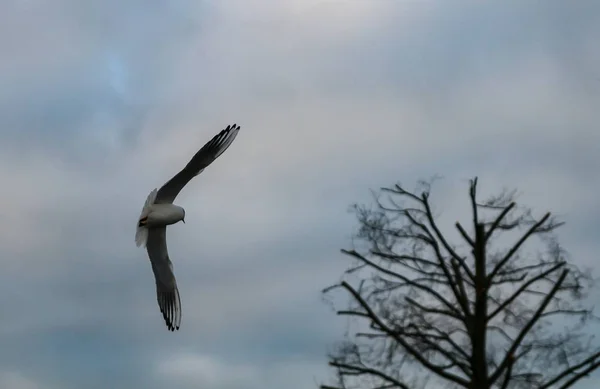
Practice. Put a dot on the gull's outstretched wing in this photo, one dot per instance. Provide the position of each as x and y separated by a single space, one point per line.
204 157
167 293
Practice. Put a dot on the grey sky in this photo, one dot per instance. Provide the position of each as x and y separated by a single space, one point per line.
102 101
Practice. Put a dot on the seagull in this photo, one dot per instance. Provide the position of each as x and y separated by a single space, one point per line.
159 211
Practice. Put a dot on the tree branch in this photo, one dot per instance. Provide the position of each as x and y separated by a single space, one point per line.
508 374
464 234
571 370
430 309
441 238
579 376
424 288
518 292
473 196
496 222
511 352
516 247
359 370
409 349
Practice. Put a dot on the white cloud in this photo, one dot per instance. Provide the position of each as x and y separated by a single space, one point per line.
16 380
204 371
32 184
198 370
311 19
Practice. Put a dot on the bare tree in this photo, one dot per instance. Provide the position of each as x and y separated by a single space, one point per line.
471 315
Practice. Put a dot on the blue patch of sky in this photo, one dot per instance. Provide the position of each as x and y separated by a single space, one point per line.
118 74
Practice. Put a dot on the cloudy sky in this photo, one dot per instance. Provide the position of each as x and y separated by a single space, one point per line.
103 100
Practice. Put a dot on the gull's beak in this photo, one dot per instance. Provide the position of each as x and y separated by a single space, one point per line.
183 220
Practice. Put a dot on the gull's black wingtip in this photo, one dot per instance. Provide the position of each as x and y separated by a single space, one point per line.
170 325
170 307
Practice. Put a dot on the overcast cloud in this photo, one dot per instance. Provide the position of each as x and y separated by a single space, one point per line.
103 100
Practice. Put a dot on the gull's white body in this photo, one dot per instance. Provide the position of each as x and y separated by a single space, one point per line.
156 215
160 215
159 212
164 215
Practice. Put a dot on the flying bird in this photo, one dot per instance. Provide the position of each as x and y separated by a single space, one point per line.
159 211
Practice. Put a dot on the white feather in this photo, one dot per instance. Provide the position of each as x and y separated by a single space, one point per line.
141 233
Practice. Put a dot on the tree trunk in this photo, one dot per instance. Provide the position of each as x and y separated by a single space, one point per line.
479 322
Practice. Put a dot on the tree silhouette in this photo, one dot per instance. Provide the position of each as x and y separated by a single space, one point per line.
471 315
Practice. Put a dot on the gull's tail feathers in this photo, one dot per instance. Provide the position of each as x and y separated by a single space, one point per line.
141 232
